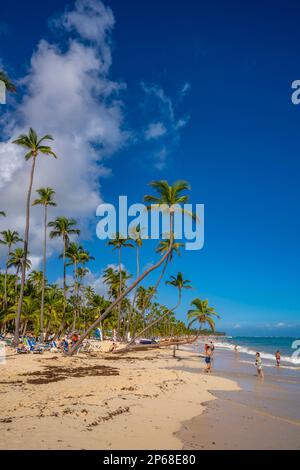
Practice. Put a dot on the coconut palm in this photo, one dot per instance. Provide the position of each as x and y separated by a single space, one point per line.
46 200
34 147
180 283
168 195
202 313
16 259
35 279
76 255
7 81
9 238
63 228
119 243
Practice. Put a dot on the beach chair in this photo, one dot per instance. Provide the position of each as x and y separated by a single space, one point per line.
33 346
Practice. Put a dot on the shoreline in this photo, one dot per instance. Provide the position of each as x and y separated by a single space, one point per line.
99 401
261 415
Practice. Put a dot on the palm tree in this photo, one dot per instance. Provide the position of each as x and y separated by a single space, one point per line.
63 228
77 255
16 259
202 313
35 279
180 283
35 146
7 82
118 243
9 238
169 195
45 199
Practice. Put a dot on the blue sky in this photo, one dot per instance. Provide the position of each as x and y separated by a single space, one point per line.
217 79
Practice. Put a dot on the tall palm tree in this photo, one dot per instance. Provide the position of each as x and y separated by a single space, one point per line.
46 200
63 228
34 147
7 81
9 238
135 234
118 243
169 195
76 255
202 313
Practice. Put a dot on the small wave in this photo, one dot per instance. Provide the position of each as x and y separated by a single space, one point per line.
251 352
273 365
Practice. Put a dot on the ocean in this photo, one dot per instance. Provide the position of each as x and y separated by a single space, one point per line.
267 346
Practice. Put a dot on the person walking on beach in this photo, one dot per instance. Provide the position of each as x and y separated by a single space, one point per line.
277 357
259 367
208 359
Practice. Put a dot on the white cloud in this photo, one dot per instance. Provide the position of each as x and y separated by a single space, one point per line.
69 94
185 89
155 130
167 128
280 324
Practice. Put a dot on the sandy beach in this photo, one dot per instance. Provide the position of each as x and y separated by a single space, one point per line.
102 401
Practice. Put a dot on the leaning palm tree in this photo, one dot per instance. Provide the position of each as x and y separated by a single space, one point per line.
202 313
34 147
167 196
7 82
9 238
118 243
46 200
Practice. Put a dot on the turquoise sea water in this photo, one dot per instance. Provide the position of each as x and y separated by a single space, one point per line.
289 347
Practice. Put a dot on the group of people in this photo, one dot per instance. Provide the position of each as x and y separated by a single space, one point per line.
209 357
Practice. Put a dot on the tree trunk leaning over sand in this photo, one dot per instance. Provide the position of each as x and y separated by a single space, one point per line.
127 291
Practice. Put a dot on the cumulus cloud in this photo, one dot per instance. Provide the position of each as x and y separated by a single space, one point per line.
68 93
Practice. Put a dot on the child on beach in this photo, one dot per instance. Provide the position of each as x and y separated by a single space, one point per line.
208 359
258 363
277 357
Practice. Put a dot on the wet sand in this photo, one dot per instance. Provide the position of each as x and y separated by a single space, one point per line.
262 415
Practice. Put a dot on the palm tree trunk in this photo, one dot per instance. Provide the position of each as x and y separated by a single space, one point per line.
126 292
135 292
75 296
120 291
25 326
63 321
23 274
44 274
5 280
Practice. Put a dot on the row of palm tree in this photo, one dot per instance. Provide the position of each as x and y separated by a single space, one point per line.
171 197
